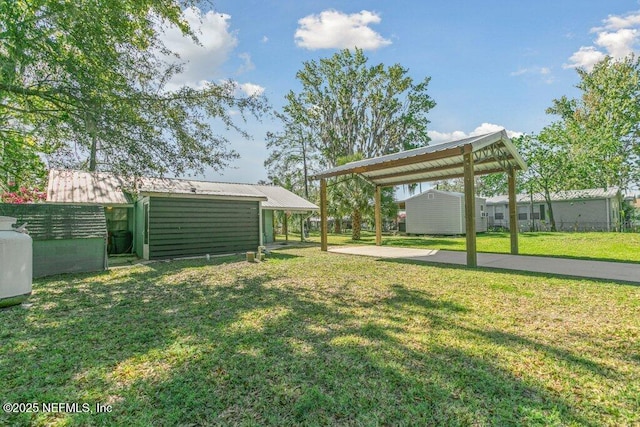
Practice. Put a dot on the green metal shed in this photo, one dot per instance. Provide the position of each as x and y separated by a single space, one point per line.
180 226
170 217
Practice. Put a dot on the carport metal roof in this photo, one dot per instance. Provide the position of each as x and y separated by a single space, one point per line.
477 155
493 152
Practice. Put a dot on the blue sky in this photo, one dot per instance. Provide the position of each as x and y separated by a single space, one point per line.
492 63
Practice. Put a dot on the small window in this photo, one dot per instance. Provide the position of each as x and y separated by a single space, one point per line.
481 208
535 215
430 195
499 215
522 216
542 216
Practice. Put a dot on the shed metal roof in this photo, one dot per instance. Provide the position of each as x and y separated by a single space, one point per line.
78 187
591 193
84 188
493 152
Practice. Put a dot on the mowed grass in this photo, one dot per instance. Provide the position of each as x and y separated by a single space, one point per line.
623 247
312 338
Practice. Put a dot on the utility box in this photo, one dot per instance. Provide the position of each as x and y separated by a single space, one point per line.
16 263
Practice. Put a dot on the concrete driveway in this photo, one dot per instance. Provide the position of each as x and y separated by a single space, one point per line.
616 271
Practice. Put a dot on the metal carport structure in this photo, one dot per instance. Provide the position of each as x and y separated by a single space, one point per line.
468 157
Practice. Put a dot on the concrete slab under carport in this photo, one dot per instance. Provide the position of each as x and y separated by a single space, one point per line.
616 271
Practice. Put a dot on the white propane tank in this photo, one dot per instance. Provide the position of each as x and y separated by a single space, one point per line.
16 269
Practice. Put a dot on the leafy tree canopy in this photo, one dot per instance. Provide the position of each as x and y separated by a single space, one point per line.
84 83
347 108
603 124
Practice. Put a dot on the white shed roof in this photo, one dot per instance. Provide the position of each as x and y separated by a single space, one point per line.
435 190
78 187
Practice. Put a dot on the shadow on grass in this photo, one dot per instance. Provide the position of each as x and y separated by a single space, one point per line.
167 345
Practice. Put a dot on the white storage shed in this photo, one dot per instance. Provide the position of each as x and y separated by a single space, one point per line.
441 212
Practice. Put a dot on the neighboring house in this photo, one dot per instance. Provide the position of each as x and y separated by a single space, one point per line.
575 210
168 217
441 212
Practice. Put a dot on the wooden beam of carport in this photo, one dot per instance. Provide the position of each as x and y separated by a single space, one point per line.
414 180
456 151
513 210
470 207
436 169
378 215
323 215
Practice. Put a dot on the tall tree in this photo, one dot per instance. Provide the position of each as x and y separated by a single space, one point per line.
293 156
90 78
604 123
352 108
550 166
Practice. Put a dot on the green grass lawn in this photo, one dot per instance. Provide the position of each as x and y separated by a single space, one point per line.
601 246
312 338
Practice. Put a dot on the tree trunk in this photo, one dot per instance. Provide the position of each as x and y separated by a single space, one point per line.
93 156
285 227
356 224
552 221
337 225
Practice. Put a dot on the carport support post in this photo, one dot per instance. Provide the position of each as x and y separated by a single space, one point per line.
323 214
513 211
378 216
470 207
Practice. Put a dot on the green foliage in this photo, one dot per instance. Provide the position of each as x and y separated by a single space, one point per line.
604 123
347 109
357 108
90 78
20 162
293 156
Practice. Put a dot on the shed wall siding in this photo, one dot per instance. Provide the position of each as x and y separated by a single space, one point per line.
443 214
189 227
68 256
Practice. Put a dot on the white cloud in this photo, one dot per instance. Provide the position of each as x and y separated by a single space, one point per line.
484 128
619 43
544 72
438 137
250 89
264 39
618 37
585 57
332 29
202 61
247 64
519 72
614 22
